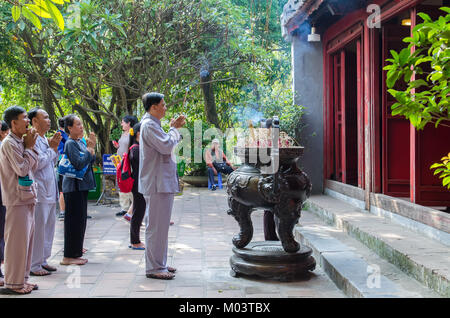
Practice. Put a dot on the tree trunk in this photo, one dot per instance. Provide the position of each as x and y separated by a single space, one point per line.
210 101
47 101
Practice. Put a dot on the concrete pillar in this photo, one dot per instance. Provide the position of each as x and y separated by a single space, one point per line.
307 68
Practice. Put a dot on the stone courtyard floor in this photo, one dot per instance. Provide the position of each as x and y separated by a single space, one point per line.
199 247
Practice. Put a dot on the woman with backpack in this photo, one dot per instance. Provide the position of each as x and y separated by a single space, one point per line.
138 198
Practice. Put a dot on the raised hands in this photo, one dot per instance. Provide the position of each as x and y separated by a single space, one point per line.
55 140
91 142
29 140
179 122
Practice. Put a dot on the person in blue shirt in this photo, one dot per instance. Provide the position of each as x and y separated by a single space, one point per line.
65 136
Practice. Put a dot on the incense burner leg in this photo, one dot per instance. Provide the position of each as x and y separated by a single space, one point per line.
288 212
242 215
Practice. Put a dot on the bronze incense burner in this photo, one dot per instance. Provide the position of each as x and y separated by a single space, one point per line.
269 179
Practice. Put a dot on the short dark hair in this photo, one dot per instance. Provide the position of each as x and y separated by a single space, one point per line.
5 126
33 113
132 120
12 113
61 122
150 99
68 122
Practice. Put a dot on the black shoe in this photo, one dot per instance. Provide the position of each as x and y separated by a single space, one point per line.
121 213
89 217
213 188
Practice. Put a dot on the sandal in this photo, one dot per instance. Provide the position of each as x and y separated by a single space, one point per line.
35 286
40 273
171 269
22 291
164 276
136 248
49 268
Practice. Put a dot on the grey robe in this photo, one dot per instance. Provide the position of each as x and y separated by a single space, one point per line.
158 170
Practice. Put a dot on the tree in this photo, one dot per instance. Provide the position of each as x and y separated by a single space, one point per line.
36 9
426 98
114 51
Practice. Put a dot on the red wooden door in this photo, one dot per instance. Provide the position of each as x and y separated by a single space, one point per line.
339 116
339 120
395 129
345 104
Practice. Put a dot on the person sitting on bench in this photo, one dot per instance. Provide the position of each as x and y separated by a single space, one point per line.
217 162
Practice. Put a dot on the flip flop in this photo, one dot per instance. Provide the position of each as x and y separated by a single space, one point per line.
136 248
35 274
164 276
49 268
8 291
35 286
171 269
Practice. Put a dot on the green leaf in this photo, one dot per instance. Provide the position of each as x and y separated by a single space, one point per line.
436 76
446 181
56 14
403 56
33 18
422 60
58 1
418 83
424 16
394 55
408 75
39 11
42 4
392 78
15 13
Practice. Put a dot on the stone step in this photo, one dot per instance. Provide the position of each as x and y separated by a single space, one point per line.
418 256
353 267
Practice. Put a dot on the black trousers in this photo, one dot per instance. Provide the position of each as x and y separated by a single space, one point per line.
75 219
138 216
269 226
222 168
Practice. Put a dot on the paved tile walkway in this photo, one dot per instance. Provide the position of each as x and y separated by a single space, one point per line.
199 247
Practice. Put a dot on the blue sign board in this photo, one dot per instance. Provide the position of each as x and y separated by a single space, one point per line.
108 166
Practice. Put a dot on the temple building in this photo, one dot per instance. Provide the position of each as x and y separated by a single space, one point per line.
354 147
